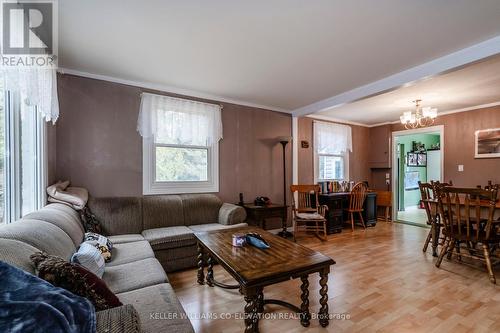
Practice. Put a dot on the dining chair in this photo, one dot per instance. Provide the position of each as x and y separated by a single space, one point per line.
426 199
384 200
356 200
467 215
308 214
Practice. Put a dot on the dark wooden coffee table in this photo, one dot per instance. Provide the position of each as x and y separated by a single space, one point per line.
255 269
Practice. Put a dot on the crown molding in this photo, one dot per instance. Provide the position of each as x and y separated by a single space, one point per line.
442 113
336 120
169 89
407 77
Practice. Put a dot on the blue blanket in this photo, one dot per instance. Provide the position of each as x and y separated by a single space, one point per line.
30 304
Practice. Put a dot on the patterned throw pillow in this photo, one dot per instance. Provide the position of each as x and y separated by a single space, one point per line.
89 257
90 221
76 279
102 243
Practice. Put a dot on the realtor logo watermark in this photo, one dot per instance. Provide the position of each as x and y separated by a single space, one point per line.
29 34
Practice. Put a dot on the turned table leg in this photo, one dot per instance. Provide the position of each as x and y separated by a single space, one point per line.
251 311
210 271
323 311
201 264
305 315
260 301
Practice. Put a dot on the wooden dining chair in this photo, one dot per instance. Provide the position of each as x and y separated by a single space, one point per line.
305 216
426 197
356 200
429 200
467 215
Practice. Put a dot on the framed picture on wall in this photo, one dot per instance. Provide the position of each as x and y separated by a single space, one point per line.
411 180
487 143
412 159
422 159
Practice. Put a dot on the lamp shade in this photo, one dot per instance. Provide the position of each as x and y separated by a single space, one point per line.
284 138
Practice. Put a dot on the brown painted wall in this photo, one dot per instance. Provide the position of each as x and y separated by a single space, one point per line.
459 131
98 146
358 158
95 145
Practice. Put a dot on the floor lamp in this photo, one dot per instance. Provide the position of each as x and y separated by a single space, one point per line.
284 140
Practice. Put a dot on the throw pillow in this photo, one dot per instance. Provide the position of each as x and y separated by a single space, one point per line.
89 257
90 221
74 278
102 243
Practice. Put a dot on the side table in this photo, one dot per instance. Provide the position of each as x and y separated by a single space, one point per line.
259 214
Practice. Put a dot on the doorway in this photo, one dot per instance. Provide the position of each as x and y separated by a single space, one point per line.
418 157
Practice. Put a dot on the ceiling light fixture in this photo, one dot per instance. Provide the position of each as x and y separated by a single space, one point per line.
422 117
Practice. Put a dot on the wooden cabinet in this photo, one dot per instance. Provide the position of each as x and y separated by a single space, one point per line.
380 147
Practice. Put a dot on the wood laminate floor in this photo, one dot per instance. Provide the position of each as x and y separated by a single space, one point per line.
382 281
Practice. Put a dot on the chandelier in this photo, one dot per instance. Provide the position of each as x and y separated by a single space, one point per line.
422 117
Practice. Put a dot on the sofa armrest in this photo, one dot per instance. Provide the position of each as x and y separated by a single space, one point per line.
231 214
122 319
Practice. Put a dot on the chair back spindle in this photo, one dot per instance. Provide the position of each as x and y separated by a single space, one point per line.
357 197
304 202
467 213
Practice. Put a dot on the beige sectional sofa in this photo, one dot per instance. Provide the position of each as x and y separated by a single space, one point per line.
151 235
166 222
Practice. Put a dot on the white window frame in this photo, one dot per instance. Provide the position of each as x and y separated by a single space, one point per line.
151 186
12 163
345 157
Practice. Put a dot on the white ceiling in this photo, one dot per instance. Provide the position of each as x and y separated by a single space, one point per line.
282 54
473 85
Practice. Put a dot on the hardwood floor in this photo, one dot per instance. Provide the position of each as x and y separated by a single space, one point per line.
382 281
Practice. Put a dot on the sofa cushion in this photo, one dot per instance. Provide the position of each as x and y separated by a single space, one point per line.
214 226
69 211
121 215
123 319
128 252
134 275
61 218
169 237
178 258
42 235
153 304
162 211
231 214
127 238
18 254
200 208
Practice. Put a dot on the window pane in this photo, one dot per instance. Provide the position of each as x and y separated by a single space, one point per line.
181 164
331 167
179 128
2 153
28 165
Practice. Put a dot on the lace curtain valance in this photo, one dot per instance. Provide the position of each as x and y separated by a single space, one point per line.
330 138
179 121
36 86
